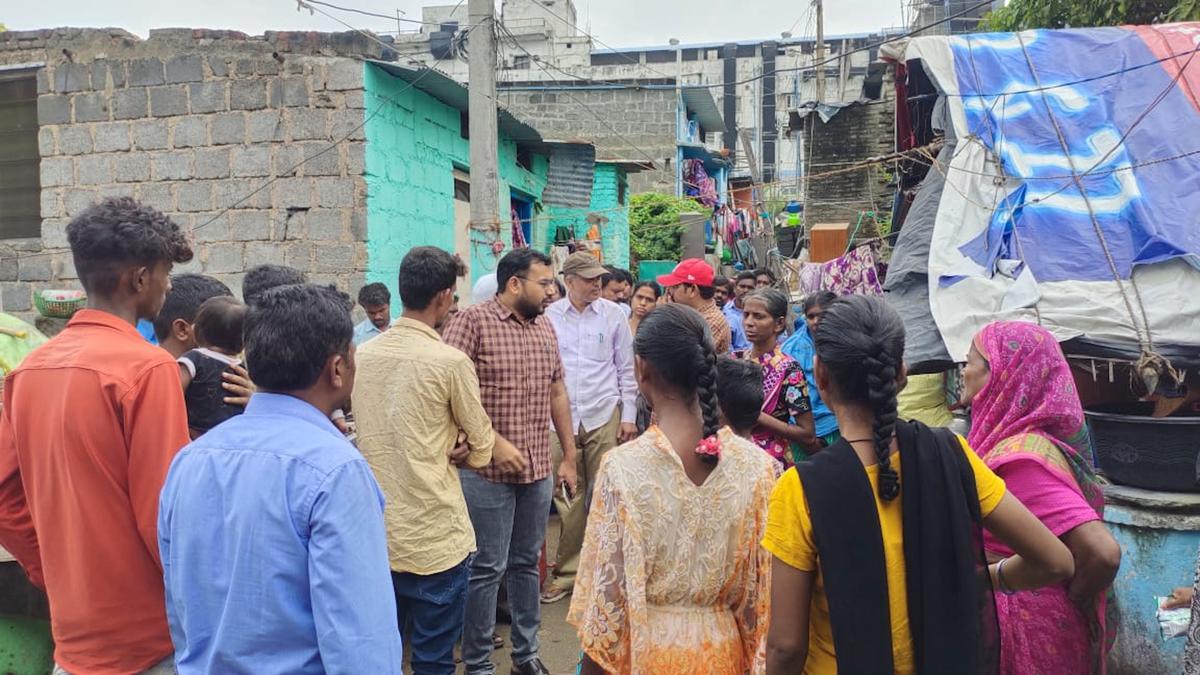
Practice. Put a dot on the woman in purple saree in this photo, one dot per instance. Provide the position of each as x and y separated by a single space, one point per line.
1028 426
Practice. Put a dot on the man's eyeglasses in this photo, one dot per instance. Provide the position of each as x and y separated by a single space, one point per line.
544 283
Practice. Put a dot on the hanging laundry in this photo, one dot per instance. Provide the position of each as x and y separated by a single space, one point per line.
698 184
855 273
810 277
518 232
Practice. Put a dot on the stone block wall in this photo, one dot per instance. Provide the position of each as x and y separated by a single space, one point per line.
854 134
637 123
233 137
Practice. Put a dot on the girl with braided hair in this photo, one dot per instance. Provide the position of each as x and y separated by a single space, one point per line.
879 571
672 580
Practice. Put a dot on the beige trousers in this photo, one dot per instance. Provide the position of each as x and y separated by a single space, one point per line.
590 448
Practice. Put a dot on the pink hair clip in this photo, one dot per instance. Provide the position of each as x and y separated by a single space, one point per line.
709 446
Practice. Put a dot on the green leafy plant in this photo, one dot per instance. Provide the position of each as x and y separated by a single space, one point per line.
653 233
1026 14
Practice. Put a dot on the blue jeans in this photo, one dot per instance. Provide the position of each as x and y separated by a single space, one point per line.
510 528
431 607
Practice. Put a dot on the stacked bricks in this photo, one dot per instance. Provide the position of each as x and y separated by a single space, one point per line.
856 133
199 134
636 123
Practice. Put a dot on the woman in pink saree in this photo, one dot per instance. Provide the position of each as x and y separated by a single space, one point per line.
1028 425
785 428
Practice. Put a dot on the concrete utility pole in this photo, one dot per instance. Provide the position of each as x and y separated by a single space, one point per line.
819 54
680 117
485 172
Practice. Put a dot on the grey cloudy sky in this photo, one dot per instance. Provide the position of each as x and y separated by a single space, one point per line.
621 23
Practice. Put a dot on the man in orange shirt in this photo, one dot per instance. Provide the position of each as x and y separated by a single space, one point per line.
91 422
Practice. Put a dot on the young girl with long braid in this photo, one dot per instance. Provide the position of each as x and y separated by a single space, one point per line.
878 570
672 580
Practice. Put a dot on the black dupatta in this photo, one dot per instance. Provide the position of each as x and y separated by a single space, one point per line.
951 610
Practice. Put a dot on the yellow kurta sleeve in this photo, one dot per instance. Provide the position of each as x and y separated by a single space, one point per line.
789 527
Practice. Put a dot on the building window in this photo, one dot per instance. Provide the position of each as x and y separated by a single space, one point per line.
521 62
622 190
20 183
524 158
462 186
464 124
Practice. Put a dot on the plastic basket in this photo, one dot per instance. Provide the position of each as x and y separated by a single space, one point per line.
59 304
1151 453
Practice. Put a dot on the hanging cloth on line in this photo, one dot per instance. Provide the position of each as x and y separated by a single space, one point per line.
518 232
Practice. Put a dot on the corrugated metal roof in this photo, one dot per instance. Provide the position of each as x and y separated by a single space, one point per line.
445 89
700 101
569 180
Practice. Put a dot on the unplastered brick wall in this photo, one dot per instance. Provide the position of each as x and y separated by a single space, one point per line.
854 134
195 123
635 124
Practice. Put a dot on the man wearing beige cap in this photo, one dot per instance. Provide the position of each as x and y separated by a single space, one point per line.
597 353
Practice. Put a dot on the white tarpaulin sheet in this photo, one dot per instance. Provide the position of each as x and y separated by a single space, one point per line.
1026 246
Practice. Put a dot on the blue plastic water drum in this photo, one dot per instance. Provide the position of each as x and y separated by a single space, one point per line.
1159 534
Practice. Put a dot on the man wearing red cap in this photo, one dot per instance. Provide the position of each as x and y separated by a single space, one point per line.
691 284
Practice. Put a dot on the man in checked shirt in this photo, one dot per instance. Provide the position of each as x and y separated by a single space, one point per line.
516 357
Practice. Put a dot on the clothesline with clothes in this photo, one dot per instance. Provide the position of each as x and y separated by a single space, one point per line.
860 271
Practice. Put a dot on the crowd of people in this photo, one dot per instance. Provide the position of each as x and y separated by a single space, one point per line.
274 489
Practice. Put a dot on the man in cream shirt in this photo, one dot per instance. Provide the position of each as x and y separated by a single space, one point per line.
415 398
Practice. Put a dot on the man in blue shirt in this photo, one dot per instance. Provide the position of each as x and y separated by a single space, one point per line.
146 328
271 525
376 301
800 347
734 314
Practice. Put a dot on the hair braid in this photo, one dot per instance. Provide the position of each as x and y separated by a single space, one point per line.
882 392
706 387
675 342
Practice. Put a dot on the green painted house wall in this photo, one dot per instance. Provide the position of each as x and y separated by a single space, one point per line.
614 235
413 146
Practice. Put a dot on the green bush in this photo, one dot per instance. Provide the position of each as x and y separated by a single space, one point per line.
653 233
1026 14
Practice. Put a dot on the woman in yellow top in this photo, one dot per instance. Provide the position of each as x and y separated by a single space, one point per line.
873 575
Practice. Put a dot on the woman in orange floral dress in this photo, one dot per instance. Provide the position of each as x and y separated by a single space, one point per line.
672 580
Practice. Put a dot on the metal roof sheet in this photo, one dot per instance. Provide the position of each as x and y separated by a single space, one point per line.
700 101
572 171
447 90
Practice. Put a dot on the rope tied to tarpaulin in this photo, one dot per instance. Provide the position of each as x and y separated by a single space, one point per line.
1151 366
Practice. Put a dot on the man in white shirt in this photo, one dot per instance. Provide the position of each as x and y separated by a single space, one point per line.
597 354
